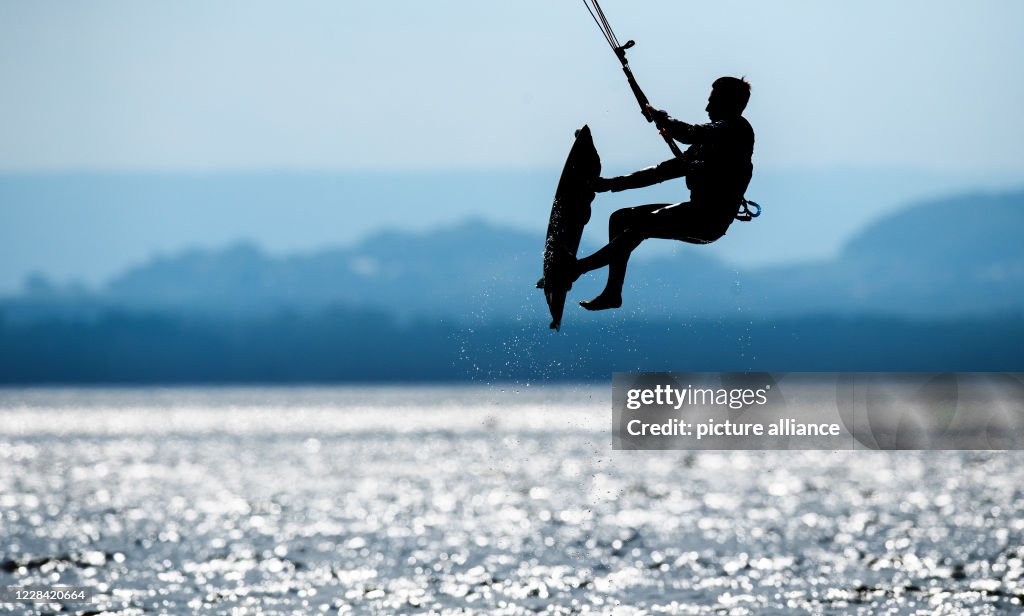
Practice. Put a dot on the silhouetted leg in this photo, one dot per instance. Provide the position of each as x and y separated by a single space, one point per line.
616 253
627 229
618 222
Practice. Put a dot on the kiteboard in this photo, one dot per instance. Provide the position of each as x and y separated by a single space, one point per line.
570 212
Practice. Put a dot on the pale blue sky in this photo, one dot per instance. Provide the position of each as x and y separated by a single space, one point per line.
453 84
859 108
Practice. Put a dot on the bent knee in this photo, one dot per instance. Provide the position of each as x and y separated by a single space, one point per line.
620 219
628 239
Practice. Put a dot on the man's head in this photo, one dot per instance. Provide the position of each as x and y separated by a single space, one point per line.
729 96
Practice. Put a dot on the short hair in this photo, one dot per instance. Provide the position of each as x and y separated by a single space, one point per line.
736 90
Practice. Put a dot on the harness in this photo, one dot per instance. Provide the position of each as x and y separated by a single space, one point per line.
744 212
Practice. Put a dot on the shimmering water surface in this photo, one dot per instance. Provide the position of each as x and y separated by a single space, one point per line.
477 500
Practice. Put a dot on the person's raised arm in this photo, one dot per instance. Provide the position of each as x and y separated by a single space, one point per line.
684 132
692 133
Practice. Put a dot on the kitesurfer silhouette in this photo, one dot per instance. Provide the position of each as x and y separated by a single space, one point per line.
717 167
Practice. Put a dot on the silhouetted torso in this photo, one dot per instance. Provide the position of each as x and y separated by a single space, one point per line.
719 160
717 166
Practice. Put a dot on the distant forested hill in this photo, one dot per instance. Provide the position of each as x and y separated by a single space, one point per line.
937 287
956 256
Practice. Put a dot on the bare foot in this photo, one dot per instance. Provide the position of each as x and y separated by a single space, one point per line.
603 302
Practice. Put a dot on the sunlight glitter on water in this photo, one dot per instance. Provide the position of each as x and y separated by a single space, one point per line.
307 501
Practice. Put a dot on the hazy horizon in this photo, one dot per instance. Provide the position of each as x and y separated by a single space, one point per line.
87 227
